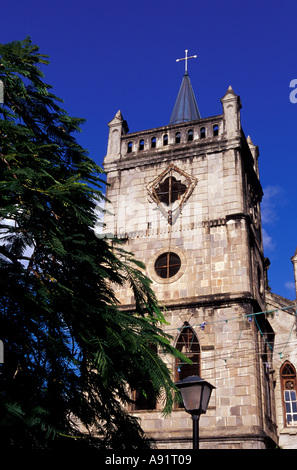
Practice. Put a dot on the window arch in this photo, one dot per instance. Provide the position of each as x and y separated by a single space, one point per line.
141 144
129 147
188 344
190 135
202 133
289 395
165 139
215 130
153 142
177 137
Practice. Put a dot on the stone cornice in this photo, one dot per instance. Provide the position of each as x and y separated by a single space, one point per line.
207 301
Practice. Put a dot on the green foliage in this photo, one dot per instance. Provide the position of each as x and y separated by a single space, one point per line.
72 354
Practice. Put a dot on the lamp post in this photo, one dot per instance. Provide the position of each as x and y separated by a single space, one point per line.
1 92
196 394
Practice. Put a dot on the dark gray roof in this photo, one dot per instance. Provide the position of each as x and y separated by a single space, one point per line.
185 108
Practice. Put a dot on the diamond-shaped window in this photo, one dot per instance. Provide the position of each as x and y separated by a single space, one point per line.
170 190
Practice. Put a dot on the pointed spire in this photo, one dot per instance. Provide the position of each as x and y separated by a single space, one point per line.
185 108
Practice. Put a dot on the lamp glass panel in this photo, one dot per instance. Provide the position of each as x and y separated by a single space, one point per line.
191 397
205 398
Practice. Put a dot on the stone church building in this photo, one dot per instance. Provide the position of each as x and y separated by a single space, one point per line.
185 199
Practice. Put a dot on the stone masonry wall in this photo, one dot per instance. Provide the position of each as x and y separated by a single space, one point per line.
216 288
212 245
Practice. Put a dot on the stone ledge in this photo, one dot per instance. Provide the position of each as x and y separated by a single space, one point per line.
232 438
205 301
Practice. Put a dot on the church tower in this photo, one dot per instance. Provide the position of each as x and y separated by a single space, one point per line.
185 199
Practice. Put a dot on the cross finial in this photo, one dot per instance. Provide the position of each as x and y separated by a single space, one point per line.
186 60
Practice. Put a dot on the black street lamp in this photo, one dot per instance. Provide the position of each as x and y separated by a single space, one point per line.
196 394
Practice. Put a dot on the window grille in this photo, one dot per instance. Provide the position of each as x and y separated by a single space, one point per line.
188 344
167 265
288 383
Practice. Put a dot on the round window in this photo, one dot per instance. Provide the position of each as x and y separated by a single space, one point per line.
167 265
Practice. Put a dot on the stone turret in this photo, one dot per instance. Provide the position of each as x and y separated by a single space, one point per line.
117 128
231 110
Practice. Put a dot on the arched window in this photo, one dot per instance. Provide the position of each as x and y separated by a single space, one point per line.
165 139
215 130
129 148
202 133
190 135
188 344
288 387
146 398
141 144
153 142
177 137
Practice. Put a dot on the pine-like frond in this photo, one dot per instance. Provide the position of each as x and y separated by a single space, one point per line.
72 354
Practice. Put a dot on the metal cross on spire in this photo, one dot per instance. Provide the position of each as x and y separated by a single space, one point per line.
186 60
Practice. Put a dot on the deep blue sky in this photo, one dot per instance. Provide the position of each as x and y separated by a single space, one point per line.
107 56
